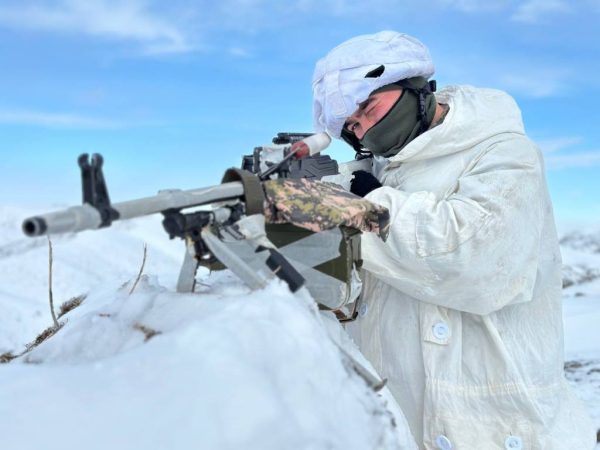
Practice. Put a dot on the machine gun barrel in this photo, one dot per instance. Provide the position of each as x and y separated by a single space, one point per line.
87 217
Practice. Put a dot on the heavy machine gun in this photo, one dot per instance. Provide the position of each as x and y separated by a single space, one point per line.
224 225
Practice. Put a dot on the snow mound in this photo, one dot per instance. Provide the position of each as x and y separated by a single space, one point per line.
82 262
577 240
221 369
585 376
577 274
581 257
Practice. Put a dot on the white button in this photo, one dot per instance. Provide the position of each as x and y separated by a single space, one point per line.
441 331
443 443
363 310
513 443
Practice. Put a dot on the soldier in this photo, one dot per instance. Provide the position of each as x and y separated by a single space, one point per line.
462 303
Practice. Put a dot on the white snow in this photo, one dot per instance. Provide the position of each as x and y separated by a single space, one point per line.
227 369
581 267
581 306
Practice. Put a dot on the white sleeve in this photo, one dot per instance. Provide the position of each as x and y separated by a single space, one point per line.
475 250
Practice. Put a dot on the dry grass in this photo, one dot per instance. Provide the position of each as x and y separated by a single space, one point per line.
50 331
137 280
50 295
149 333
7 357
65 308
43 336
71 304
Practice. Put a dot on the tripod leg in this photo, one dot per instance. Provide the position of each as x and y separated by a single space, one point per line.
187 275
254 280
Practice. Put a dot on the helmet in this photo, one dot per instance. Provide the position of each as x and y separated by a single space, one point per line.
351 71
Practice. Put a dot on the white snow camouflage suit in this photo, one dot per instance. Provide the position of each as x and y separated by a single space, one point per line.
463 301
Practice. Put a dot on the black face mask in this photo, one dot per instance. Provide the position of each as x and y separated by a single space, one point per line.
405 120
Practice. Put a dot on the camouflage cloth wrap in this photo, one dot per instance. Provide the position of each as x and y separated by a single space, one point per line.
319 205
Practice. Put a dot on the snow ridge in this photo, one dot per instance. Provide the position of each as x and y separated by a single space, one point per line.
223 368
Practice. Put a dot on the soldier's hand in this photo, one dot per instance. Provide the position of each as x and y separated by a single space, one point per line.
363 182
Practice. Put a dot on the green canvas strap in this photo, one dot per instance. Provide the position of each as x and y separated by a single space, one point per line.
254 196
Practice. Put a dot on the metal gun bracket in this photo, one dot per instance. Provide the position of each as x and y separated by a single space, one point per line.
94 190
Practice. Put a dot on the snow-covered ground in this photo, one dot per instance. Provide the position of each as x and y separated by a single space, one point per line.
222 368
581 294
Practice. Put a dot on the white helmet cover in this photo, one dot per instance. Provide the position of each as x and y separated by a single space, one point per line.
339 83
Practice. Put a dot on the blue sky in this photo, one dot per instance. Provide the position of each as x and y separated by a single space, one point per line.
173 93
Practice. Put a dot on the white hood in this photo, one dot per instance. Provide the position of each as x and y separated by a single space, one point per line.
340 83
475 115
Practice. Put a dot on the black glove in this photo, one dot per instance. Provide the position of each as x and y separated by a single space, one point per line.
363 183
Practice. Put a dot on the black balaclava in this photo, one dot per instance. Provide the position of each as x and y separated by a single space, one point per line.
410 116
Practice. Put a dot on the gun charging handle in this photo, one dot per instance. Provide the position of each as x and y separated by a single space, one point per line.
309 146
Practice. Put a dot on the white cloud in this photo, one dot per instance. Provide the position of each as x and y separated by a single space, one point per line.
129 21
523 79
559 153
525 11
473 6
240 52
573 160
54 120
557 144
537 82
533 11
528 11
